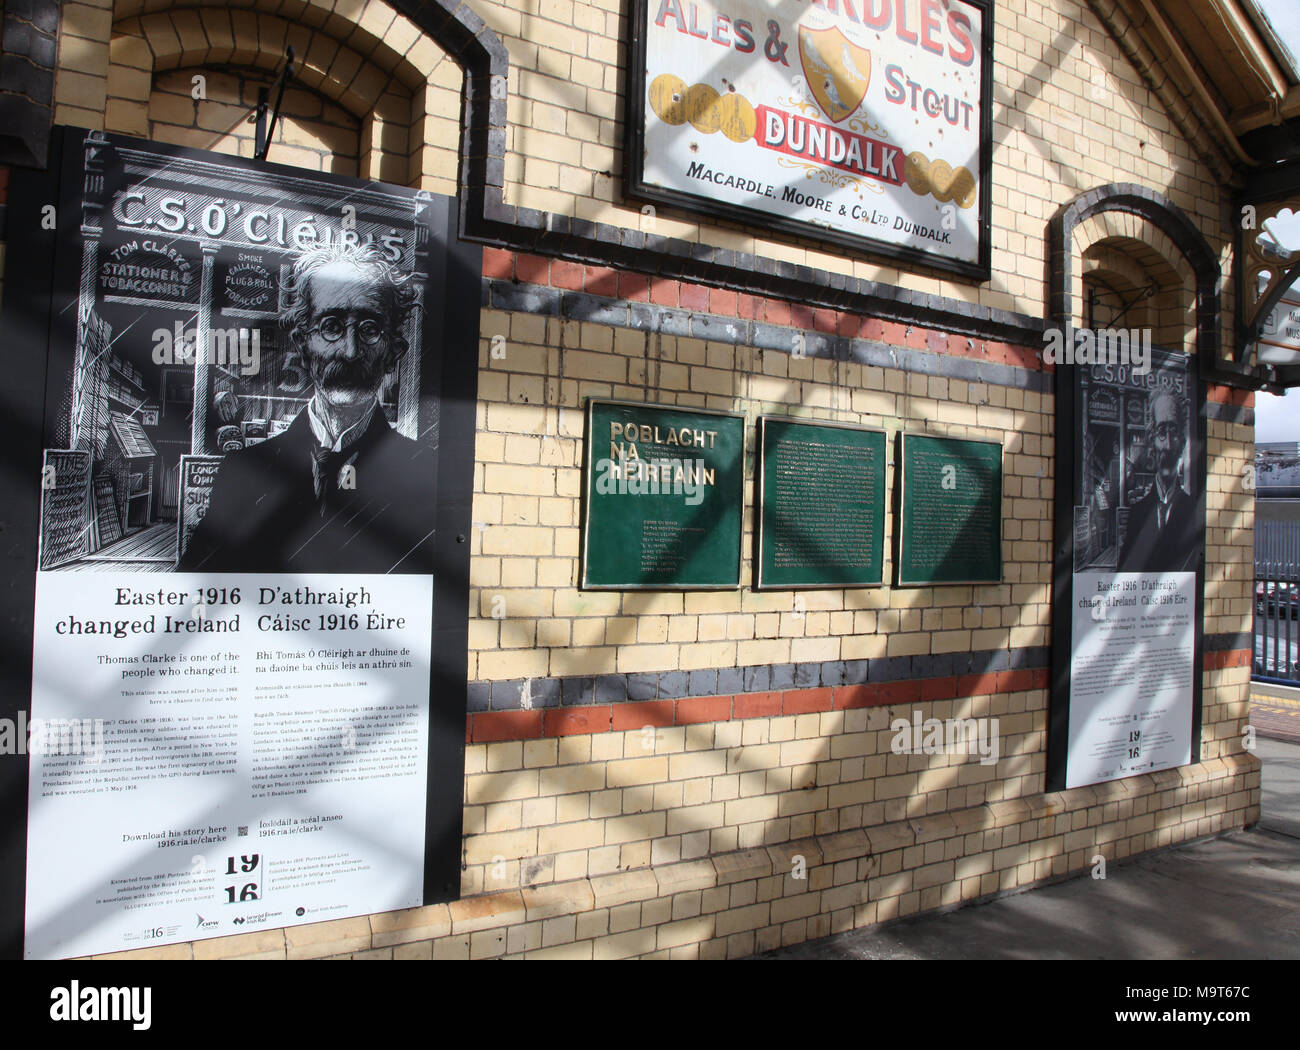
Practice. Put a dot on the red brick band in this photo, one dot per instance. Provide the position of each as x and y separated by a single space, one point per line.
489 726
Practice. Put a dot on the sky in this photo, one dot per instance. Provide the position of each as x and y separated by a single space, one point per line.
1277 418
1285 17
1284 227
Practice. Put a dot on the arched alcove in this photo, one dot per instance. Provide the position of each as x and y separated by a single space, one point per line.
371 96
1127 282
1132 240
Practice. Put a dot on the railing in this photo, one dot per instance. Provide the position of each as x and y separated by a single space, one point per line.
1277 601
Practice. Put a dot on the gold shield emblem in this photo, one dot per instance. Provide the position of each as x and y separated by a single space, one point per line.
837 70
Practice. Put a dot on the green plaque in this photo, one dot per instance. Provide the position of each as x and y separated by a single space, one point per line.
821 520
664 494
951 530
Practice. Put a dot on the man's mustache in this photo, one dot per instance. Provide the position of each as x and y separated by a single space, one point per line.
348 373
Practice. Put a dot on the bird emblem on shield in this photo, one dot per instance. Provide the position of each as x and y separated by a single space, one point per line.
836 69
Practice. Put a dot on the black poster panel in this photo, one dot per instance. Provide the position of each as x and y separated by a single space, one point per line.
1129 572
250 484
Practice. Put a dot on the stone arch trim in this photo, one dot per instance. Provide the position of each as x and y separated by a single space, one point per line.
374 29
1142 202
1156 248
341 74
384 102
1136 268
1128 247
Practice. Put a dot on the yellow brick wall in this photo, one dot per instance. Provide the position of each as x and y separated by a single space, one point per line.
311 133
1229 528
527 617
555 810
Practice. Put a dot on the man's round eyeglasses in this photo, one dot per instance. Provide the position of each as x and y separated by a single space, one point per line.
332 329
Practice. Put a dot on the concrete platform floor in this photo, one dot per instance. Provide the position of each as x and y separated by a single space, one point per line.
1233 897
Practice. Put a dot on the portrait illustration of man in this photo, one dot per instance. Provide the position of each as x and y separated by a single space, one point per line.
1161 532
339 490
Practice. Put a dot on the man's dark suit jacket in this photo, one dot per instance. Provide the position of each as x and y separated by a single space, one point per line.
1174 548
264 516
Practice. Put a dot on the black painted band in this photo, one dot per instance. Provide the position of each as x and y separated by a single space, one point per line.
672 320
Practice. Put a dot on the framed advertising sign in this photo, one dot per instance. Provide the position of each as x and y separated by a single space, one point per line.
866 125
1128 591
251 406
663 498
821 504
